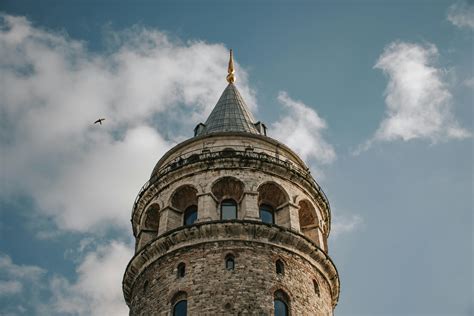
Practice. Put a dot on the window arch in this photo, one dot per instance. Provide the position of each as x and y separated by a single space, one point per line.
181 270
180 304
267 214
281 303
280 267
228 187
230 262
316 288
307 214
309 221
228 209
273 194
190 215
183 197
152 218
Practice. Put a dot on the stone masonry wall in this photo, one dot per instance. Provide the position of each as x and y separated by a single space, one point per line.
247 290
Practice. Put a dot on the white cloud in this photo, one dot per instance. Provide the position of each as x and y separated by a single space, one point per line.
10 270
10 287
19 285
419 104
461 14
301 129
469 82
97 290
52 88
343 224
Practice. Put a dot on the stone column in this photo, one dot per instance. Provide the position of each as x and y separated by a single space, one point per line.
294 216
287 216
170 218
322 240
249 206
207 207
163 225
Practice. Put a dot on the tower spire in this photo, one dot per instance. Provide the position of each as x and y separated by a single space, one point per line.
230 70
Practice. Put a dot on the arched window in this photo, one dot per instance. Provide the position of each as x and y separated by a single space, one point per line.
229 262
181 270
267 214
316 287
308 220
228 187
228 209
180 308
280 267
152 219
280 303
190 215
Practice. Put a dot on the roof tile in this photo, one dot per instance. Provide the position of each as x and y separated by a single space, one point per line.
230 114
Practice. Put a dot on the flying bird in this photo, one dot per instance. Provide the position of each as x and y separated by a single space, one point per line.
99 121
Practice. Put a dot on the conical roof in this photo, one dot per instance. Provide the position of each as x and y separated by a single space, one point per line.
230 114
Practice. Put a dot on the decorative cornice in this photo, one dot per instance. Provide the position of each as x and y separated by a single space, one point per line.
212 136
234 230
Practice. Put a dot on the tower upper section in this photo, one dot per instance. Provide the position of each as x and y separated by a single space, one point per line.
231 143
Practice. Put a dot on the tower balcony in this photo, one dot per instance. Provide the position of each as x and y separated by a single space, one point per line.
265 156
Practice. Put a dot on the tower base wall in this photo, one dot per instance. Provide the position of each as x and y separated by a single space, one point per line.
248 289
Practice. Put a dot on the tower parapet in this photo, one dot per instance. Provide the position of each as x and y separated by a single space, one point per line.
231 221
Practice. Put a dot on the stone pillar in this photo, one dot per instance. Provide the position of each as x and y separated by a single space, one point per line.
294 216
321 239
323 229
249 206
170 218
163 225
287 216
207 208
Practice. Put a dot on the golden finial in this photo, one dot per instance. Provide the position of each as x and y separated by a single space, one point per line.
230 70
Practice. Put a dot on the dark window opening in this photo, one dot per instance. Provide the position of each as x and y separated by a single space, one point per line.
280 267
190 215
181 270
228 209
267 214
180 308
229 262
316 287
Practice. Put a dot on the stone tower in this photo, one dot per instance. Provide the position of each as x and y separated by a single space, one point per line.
231 222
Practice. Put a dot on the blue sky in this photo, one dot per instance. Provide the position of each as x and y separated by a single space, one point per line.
376 96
